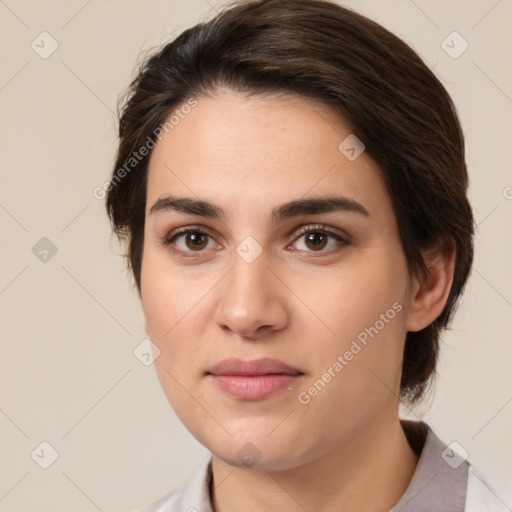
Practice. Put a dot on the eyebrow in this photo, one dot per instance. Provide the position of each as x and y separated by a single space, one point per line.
295 208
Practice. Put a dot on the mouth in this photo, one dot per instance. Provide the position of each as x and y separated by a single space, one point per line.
255 379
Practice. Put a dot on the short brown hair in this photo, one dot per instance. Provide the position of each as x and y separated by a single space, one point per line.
390 99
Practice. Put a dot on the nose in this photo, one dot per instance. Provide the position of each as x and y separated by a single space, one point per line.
251 300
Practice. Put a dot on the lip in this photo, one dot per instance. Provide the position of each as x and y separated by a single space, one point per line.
253 367
255 379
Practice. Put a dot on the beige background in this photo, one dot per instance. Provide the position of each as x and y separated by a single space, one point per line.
70 324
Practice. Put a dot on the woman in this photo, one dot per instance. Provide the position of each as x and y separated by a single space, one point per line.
291 183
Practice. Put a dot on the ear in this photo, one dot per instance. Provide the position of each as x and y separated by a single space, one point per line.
430 293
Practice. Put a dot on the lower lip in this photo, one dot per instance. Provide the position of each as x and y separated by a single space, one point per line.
255 387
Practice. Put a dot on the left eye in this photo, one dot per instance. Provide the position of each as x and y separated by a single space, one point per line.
317 239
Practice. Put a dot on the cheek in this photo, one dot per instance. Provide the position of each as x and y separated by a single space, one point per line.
352 297
169 295
168 300
176 313
365 312
353 380
165 306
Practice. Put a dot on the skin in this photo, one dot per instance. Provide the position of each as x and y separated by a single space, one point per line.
297 303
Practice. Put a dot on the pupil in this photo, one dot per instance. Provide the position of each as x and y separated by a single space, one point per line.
196 239
317 240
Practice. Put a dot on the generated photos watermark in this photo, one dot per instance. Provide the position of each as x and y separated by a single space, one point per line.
357 345
137 156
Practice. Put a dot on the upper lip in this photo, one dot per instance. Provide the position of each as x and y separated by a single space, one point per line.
252 367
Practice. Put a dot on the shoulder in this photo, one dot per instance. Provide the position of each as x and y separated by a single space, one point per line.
191 497
480 497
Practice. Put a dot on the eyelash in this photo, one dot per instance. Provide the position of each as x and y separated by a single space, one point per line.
317 228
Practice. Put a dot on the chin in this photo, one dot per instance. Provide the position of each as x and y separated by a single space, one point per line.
250 457
255 450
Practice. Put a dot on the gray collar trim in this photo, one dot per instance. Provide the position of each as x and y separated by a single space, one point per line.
440 480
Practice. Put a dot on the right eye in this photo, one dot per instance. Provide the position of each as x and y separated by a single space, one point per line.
189 239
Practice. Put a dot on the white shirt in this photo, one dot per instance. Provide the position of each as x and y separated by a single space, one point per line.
442 482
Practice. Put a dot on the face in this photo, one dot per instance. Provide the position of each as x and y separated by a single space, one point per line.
281 328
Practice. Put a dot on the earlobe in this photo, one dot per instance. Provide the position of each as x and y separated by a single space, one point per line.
430 292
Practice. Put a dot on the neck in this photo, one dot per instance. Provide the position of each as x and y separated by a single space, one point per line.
369 472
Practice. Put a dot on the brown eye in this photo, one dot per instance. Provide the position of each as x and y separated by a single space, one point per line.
196 240
188 240
317 238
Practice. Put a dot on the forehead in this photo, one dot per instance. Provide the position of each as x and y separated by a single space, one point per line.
237 151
